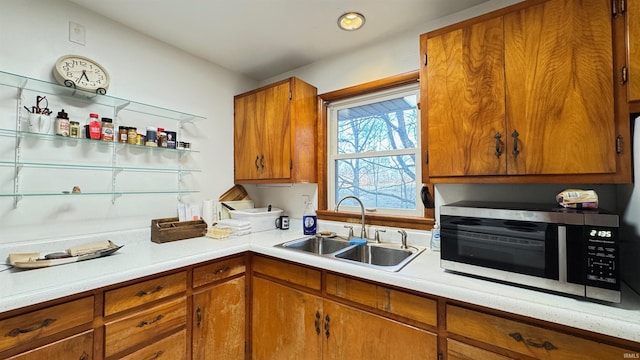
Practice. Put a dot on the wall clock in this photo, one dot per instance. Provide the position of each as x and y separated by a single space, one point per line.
82 73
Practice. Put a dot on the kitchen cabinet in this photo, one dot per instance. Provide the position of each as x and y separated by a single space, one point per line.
74 347
633 48
219 310
528 92
103 168
275 134
292 320
519 339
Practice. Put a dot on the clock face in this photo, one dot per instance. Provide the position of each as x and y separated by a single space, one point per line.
81 73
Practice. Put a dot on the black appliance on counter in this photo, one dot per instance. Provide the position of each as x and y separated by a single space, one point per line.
543 246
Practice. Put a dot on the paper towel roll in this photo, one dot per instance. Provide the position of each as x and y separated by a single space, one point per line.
208 211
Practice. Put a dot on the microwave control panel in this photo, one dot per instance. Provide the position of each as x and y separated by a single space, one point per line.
602 257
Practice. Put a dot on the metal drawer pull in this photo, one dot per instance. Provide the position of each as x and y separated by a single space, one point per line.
545 345
256 162
84 356
157 355
155 290
144 323
198 316
317 322
221 270
497 136
515 135
17 331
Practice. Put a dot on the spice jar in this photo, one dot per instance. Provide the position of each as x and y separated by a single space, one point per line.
162 138
152 136
62 123
122 134
107 129
94 128
74 129
132 135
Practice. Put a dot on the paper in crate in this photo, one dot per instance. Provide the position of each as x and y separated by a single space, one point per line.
261 219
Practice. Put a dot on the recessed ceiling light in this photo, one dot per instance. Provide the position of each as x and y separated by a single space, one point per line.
351 21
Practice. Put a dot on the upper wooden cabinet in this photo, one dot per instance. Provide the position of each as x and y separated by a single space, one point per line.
526 92
633 48
275 134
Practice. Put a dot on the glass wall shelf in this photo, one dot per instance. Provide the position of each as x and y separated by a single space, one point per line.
30 147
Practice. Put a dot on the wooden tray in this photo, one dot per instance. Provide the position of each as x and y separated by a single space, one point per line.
170 229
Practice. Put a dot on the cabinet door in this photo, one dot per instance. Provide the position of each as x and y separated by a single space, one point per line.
559 88
219 321
465 100
285 323
276 146
355 334
633 43
75 347
247 137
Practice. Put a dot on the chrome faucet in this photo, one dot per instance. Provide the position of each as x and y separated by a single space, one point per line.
403 238
363 232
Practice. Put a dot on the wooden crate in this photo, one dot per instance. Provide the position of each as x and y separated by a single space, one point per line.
170 229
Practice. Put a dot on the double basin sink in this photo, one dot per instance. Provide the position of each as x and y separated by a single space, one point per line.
385 257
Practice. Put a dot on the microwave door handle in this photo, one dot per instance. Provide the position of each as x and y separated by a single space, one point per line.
562 254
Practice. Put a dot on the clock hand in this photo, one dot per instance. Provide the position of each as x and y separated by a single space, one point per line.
84 73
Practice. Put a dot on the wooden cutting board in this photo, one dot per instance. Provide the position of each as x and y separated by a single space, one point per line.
236 193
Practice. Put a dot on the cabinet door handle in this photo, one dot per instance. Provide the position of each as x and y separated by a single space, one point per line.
157 355
84 356
221 270
497 136
142 293
262 161
326 326
317 323
515 135
17 331
256 162
198 316
545 345
145 323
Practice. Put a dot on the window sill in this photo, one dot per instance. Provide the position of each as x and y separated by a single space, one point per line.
417 223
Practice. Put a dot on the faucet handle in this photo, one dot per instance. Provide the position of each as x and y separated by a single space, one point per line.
403 238
350 230
377 235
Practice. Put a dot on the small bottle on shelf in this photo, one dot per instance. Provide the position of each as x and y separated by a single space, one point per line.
94 128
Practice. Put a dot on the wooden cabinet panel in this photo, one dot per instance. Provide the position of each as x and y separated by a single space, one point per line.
219 270
144 292
144 326
286 323
295 274
355 334
359 291
75 347
465 100
633 43
21 329
219 321
460 351
170 348
526 339
559 88
275 133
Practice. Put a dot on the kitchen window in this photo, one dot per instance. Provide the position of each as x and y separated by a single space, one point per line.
373 152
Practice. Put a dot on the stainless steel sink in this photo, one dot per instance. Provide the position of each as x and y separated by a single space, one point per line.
392 259
317 245
387 257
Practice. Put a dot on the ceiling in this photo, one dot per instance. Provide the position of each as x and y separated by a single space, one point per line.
264 38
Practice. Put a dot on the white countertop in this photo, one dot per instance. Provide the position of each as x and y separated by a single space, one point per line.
141 257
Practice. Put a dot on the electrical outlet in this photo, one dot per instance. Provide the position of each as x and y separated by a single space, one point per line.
76 33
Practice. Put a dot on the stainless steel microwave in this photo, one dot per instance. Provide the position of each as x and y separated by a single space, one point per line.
562 250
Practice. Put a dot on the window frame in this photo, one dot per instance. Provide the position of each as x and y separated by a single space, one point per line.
375 97
424 222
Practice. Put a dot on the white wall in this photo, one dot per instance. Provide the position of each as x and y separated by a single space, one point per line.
34 33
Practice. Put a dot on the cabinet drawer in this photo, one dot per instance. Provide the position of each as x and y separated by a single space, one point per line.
292 273
526 339
173 347
38 324
392 301
144 326
219 270
75 347
144 292
460 351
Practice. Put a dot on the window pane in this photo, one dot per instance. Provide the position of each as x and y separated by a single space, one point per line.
380 182
379 126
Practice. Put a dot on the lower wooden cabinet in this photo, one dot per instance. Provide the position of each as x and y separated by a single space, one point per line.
524 339
78 347
457 350
170 348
